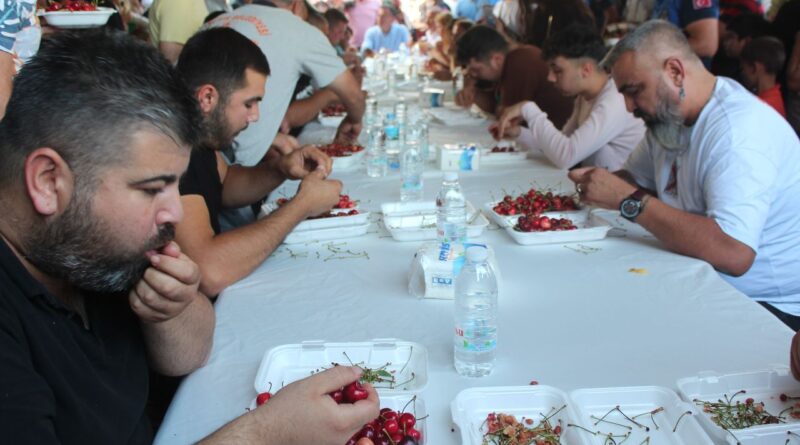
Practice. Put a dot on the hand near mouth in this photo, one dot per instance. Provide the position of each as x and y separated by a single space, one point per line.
168 286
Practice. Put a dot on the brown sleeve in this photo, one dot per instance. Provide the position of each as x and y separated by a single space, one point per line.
794 356
522 78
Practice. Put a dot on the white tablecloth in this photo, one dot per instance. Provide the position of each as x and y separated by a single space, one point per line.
570 316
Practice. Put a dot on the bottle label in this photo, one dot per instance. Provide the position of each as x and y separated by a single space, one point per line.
474 340
412 183
392 133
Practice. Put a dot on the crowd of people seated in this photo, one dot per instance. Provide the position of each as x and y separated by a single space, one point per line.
128 206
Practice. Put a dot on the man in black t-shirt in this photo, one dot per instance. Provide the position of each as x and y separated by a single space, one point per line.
93 290
227 73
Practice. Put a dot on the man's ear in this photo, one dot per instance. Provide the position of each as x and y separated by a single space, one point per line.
675 71
49 181
208 97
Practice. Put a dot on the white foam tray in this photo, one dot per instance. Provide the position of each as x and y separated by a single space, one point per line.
285 364
321 223
471 406
506 220
416 221
334 233
348 162
592 404
488 157
78 19
763 386
590 227
331 121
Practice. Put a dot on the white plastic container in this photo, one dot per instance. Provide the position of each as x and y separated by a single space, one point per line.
763 386
590 227
78 19
416 221
331 121
333 233
507 157
322 223
471 406
510 220
593 404
348 162
288 363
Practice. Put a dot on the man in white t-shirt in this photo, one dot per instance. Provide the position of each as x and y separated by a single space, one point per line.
600 132
718 175
293 47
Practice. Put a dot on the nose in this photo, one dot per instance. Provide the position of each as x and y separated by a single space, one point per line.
252 116
170 210
551 77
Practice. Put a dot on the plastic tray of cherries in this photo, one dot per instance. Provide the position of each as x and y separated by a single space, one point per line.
345 220
504 151
397 369
332 115
345 156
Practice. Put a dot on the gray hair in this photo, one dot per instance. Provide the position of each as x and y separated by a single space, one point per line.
658 38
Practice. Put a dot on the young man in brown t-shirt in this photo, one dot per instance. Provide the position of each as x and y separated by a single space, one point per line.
499 76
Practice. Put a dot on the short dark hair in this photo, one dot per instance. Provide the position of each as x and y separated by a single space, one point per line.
749 25
766 50
97 87
576 41
479 43
220 57
334 17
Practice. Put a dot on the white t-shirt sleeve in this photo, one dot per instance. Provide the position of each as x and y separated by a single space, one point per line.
641 164
738 189
320 61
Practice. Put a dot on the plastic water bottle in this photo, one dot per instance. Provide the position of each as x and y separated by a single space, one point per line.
377 164
411 168
451 211
391 130
475 340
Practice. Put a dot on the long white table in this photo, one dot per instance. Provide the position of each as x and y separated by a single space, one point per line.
570 316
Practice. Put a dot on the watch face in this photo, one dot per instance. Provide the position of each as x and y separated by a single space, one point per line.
630 208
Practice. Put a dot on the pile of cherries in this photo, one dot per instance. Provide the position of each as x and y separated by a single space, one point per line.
72 6
497 149
335 150
334 110
535 202
389 428
533 223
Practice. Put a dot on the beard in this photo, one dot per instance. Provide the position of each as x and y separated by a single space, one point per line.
82 250
666 125
219 134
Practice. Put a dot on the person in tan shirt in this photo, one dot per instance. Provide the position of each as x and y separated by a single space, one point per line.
500 75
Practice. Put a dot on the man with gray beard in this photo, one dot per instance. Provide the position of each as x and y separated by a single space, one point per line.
717 176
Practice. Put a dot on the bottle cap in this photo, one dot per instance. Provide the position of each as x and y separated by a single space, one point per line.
389 115
477 254
451 176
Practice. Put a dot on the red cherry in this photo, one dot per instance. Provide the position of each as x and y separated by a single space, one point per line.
263 398
355 392
414 434
391 426
337 396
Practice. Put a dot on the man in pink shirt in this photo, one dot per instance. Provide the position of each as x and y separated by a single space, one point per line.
362 16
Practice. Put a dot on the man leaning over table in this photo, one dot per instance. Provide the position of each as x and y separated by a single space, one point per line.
499 75
600 132
227 73
718 174
93 290
294 47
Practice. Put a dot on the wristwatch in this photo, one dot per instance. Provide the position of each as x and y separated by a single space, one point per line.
633 205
